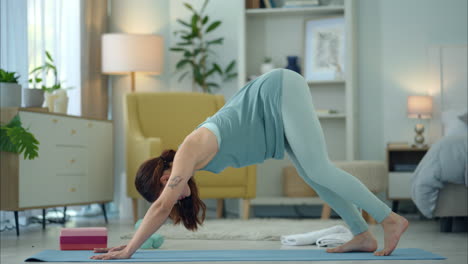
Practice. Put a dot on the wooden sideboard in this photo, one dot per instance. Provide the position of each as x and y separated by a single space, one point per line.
74 166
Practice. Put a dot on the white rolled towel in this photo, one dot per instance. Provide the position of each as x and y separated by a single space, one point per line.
334 240
311 237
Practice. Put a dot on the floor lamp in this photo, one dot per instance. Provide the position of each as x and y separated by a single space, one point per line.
131 53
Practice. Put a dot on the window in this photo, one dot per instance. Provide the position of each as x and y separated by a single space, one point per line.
54 26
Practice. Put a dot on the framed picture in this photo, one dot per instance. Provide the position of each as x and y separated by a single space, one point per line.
324 49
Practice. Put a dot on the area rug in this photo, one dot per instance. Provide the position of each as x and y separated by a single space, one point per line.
238 229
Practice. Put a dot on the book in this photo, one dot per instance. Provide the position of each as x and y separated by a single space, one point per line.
301 3
267 3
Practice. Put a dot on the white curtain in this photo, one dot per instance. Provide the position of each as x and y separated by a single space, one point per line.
14 38
54 26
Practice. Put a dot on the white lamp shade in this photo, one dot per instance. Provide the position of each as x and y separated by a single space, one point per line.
419 106
125 53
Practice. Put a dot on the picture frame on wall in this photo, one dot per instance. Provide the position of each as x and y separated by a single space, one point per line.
324 49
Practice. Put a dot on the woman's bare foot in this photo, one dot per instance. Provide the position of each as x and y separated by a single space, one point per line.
394 226
364 242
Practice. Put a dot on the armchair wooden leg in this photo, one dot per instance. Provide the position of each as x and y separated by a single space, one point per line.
369 219
219 208
326 211
135 209
246 209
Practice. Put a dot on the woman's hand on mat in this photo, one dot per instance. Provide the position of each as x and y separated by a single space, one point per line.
112 253
105 250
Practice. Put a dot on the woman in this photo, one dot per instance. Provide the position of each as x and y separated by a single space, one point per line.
270 115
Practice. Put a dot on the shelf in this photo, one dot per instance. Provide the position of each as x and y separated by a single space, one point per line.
295 11
287 201
330 116
327 82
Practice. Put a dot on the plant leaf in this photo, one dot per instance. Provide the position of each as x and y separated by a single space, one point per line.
203 7
181 63
197 75
189 6
212 84
205 19
184 23
215 41
213 26
177 49
184 43
230 66
218 69
36 69
210 72
183 76
48 56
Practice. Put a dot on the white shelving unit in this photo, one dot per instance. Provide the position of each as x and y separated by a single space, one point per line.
278 33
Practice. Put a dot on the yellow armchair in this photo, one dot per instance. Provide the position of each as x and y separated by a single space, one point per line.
158 121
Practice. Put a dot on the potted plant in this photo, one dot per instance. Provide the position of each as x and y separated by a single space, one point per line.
196 48
10 90
17 139
55 96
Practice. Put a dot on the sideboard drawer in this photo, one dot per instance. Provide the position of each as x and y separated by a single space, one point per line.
70 160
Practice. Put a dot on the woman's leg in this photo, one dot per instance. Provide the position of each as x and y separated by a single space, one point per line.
304 134
345 209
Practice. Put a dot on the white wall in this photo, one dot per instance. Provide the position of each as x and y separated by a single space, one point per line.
140 17
393 46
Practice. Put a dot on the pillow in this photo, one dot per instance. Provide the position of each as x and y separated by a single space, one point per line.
452 123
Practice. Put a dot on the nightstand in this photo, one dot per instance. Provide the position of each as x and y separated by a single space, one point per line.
402 161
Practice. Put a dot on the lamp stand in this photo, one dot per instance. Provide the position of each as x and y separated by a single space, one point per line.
132 77
419 138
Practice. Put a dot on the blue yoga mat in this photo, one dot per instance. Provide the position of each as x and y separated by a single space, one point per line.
233 255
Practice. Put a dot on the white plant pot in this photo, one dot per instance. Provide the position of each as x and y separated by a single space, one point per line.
33 97
266 67
10 95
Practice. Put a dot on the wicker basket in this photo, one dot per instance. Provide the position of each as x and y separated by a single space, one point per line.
294 185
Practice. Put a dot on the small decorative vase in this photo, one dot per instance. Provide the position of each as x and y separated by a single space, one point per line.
61 102
49 101
266 67
10 95
292 64
33 97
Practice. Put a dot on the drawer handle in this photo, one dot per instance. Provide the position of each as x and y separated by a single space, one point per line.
72 161
55 121
73 131
90 125
73 189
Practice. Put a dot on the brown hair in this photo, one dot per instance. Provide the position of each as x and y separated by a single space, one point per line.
148 184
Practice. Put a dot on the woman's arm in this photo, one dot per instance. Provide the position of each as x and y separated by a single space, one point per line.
195 149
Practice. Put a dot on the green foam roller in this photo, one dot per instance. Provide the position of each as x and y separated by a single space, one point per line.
155 240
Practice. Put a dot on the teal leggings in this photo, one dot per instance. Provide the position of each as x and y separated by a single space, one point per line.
305 145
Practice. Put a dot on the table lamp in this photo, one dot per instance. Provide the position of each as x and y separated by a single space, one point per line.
419 106
130 53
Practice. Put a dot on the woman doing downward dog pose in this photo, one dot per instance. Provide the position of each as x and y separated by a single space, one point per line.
271 115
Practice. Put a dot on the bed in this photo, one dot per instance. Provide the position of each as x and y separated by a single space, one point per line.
439 185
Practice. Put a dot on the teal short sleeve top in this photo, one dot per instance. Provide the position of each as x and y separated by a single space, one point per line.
249 127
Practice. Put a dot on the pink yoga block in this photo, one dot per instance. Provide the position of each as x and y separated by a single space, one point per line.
84 231
84 238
